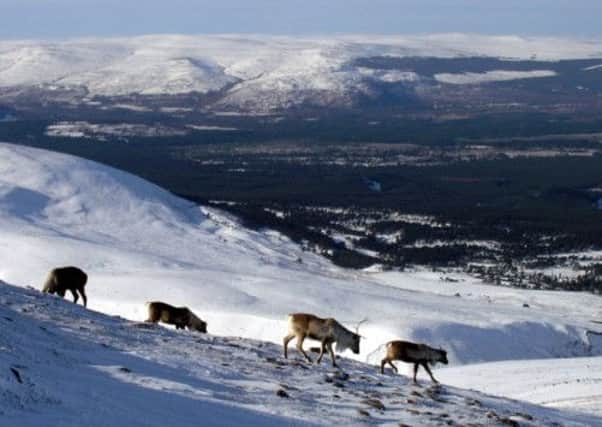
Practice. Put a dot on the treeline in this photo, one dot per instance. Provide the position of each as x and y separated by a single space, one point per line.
510 274
353 238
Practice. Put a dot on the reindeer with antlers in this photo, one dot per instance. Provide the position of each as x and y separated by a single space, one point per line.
327 331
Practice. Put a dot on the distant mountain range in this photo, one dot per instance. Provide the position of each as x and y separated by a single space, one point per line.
267 73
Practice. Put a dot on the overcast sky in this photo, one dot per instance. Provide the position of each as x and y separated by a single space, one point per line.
71 18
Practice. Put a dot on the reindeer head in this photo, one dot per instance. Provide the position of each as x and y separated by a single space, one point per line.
196 324
348 340
356 337
442 356
356 344
200 327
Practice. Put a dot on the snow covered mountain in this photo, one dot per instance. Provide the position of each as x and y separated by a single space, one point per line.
260 73
139 243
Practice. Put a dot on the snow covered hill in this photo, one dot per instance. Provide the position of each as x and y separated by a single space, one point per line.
63 365
259 73
139 243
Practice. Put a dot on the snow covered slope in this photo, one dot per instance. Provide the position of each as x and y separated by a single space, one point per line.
63 365
139 243
256 72
574 384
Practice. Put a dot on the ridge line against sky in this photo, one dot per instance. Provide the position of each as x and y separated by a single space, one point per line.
20 19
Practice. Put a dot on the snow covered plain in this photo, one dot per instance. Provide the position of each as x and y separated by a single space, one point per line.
139 243
257 73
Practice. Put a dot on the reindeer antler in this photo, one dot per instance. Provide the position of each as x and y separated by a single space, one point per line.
357 328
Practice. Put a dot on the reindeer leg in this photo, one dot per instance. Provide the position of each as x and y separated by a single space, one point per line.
332 356
285 342
392 365
415 372
300 348
426 366
382 365
322 348
84 297
75 296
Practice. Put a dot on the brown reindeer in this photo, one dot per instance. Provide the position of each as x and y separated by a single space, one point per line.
327 331
181 317
66 278
418 354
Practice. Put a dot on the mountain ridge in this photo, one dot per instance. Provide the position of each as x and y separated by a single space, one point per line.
268 72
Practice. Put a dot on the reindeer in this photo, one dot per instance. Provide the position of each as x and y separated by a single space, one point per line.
327 331
418 354
66 278
181 317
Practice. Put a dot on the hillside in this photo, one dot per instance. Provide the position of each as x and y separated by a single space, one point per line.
69 366
139 243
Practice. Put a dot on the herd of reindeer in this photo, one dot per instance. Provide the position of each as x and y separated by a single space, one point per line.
300 326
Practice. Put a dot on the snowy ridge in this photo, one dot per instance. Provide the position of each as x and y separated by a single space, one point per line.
64 365
254 72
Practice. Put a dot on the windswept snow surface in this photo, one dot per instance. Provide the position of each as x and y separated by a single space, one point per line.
139 243
255 72
62 365
574 384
